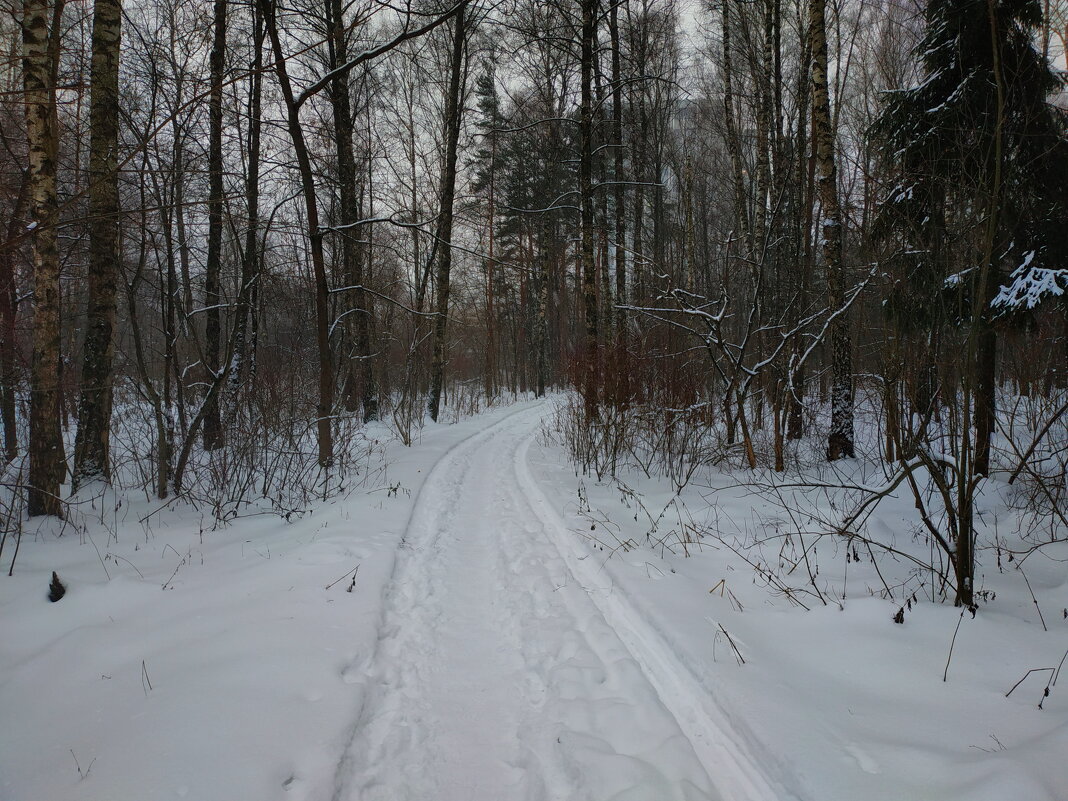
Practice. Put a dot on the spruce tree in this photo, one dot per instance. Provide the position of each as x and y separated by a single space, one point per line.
977 162
489 123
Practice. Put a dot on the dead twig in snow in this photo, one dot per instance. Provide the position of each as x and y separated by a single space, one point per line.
952 642
352 573
1033 598
81 774
146 682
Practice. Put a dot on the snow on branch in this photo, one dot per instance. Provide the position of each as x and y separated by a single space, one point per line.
1029 285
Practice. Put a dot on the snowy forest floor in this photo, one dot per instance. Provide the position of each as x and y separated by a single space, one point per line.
514 631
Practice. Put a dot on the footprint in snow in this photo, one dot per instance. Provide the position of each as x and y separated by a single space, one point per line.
863 759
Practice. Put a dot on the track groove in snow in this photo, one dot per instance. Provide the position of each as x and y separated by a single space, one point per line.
500 673
736 772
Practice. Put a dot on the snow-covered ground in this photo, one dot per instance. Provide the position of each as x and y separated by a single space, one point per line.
514 631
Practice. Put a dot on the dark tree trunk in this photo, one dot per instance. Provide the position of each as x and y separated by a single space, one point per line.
365 327
619 193
618 175
591 372
244 355
491 312
359 386
542 271
345 239
804 179
734 144
8 313
453 114
985 388
324 409
91 451
213 433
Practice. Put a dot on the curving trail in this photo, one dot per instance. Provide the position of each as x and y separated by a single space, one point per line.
503 672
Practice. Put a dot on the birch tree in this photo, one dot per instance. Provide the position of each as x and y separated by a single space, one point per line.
41 23
840 438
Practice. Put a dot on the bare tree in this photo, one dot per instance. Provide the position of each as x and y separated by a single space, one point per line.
213 433
8 313
359 384
591 376
443 234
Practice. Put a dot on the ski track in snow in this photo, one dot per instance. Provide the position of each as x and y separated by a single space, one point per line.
503 671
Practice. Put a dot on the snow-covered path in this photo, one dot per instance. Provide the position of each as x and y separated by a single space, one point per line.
497 676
